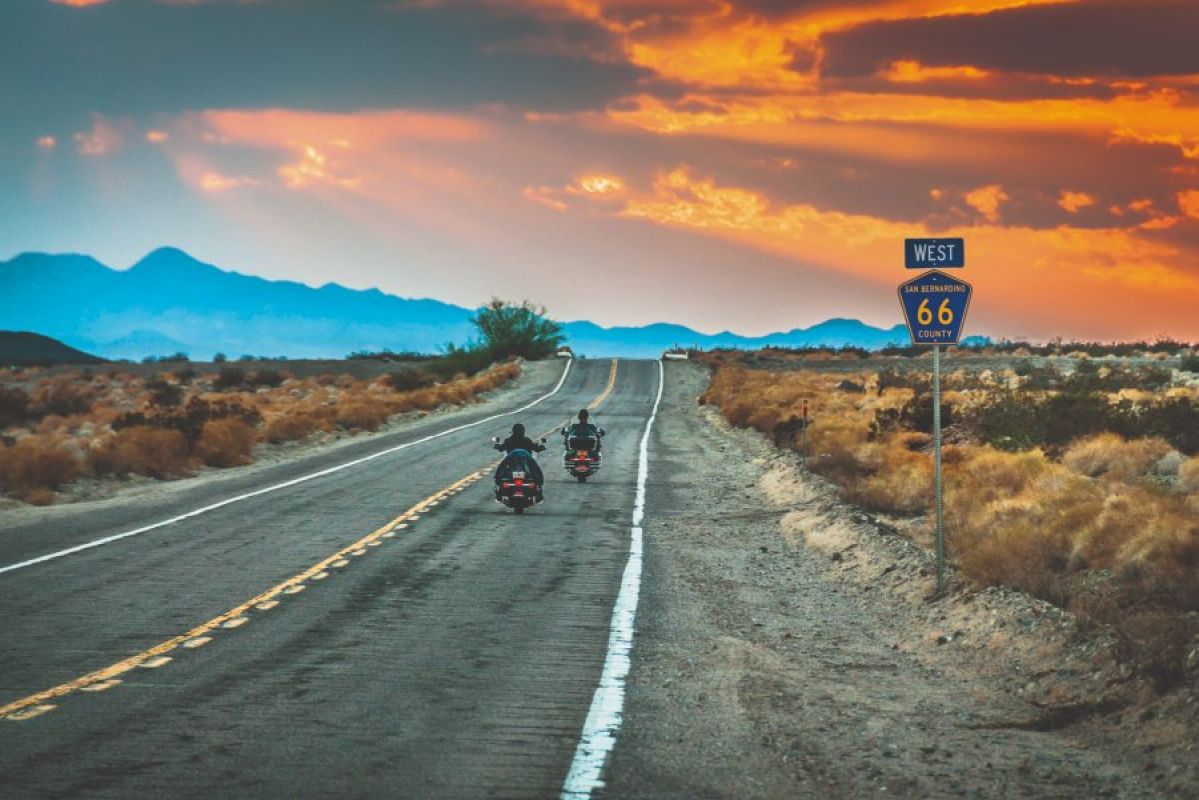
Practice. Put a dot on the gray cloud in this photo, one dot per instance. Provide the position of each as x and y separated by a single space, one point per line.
1129 38
134 57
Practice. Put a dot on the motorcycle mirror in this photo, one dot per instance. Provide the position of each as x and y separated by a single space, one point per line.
495 440
601 431
543 440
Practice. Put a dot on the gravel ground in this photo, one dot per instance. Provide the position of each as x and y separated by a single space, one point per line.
786 647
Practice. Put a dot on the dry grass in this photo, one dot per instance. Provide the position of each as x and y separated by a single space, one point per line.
1109 455
227 442
162 425
361 415
142 450
1110 529
294 427
36 466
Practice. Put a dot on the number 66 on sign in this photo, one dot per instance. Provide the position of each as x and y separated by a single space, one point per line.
935 305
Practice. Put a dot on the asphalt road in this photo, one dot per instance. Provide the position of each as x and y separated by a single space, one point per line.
454 657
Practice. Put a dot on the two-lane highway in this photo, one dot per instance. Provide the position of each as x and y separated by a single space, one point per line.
385 629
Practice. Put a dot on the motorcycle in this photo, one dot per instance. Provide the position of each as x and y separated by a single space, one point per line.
515 482
582 457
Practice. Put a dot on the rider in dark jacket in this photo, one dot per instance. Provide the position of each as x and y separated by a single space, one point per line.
582 429
519 441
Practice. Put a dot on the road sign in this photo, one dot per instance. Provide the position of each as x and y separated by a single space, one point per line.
935 305
934 253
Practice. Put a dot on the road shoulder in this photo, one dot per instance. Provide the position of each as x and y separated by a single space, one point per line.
758 671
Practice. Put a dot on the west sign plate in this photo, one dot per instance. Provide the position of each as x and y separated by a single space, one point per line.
934 253
935 305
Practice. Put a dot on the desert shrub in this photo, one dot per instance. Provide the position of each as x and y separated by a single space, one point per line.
63 395
219 358
167 359
225 442
914 415
185 375
1190 363
1188 476
1088 377
406 380
901 379
1110 455
142 450
292 427
164 394
269 378
34 467
361 415
14 406
388 355
516 329
1176 420
1018 420
190 419
902 484
229 378
460 361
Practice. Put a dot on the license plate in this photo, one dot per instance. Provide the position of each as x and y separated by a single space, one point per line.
518 474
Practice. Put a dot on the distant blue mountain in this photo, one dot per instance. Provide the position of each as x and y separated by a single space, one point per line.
170 302
587 337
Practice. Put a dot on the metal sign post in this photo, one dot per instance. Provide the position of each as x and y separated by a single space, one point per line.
940 526
935 305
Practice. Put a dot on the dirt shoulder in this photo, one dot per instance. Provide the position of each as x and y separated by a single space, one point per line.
100 493
786 648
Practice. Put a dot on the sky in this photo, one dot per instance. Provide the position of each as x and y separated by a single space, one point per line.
745 165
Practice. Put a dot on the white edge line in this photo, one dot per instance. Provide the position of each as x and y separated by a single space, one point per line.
284 485
607 704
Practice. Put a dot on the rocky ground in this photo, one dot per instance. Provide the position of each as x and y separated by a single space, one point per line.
789 645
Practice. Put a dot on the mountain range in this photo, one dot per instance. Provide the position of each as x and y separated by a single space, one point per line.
169 302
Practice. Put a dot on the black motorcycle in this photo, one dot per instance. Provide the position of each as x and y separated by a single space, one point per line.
516 481
582 457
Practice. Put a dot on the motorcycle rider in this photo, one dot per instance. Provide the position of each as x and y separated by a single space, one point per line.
582 429
519 441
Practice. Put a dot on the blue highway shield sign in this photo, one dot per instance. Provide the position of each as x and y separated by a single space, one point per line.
934 253
935 305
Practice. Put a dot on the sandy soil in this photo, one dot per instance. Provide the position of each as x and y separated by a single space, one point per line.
788 646
98 493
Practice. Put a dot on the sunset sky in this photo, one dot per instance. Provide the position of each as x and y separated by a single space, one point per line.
751 165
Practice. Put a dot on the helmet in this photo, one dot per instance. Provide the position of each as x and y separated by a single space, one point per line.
518 430
583 415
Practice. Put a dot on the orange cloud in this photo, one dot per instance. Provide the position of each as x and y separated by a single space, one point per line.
986 200
79 3
1188 203
215 182
543 195
46 142
156 137
313 167
915 72
598 185
102 139
1073 201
